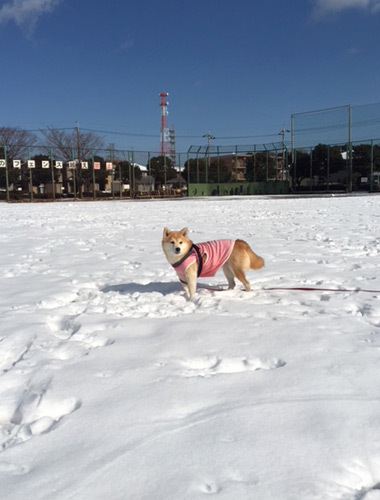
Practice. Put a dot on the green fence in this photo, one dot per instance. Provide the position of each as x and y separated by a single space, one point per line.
238 188
41 172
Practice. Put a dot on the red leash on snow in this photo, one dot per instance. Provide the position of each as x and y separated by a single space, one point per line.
311 289
295 289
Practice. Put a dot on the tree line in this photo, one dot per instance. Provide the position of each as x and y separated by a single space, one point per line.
323 160
70 146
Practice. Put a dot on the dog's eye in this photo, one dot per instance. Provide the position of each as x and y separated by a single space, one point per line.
172 242
180 242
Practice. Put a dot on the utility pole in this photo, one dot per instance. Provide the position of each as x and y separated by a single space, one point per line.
282 133
209 138
77 159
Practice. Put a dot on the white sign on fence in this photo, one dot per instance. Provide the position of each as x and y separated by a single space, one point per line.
59 164
3 163
45 164
31 164
16 163
84 165
96 165
72 164
109 165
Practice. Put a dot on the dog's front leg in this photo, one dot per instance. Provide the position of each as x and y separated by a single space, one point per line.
191 277
185 288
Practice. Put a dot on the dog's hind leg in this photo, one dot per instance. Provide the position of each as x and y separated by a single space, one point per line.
241 277
229 275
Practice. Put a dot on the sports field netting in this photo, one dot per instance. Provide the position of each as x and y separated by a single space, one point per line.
336 125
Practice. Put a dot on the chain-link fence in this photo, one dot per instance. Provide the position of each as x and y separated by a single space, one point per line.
329 150
339 125
40 172
353 166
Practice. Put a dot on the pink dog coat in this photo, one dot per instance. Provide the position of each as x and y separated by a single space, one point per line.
213 255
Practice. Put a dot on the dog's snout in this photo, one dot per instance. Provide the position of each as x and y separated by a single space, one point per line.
177 250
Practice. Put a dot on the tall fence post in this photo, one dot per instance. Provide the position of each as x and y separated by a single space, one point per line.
180 173
52 174
6 173
349 179
197 168
188 170
371 169
218 163
311 169
30 177
328 170
133 173
149 175
93 177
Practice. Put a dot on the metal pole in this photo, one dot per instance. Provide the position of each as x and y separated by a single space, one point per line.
236 165
149 174
292 137
78 158
209 138
112 176
73 174
188 173
30 178
328 169
133 173
52 174
197 169
217 152
349 180
165 175
371 173
179 171
93 176
311 169
120 181
130 175
6 173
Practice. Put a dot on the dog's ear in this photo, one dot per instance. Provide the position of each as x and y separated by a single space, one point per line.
184 232
166 232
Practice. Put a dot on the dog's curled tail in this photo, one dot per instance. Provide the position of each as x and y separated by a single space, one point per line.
255 262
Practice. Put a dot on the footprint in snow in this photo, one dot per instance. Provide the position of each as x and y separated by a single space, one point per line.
210 488
69 328
209 366
33 413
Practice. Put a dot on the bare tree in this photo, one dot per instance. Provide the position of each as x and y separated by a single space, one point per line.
73 146
15 142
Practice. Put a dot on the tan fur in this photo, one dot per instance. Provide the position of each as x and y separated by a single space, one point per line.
176 244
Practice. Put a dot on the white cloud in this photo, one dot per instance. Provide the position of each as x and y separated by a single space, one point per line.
331 6
25 13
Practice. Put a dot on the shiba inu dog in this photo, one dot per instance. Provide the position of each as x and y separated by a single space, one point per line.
204 259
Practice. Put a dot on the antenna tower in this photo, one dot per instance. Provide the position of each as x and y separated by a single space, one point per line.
172 144
165 136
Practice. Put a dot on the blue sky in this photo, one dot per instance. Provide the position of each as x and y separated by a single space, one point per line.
238 69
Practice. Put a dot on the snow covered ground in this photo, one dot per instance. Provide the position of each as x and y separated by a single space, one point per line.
113 385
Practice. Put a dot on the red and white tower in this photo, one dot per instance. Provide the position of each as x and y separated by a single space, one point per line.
165 135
